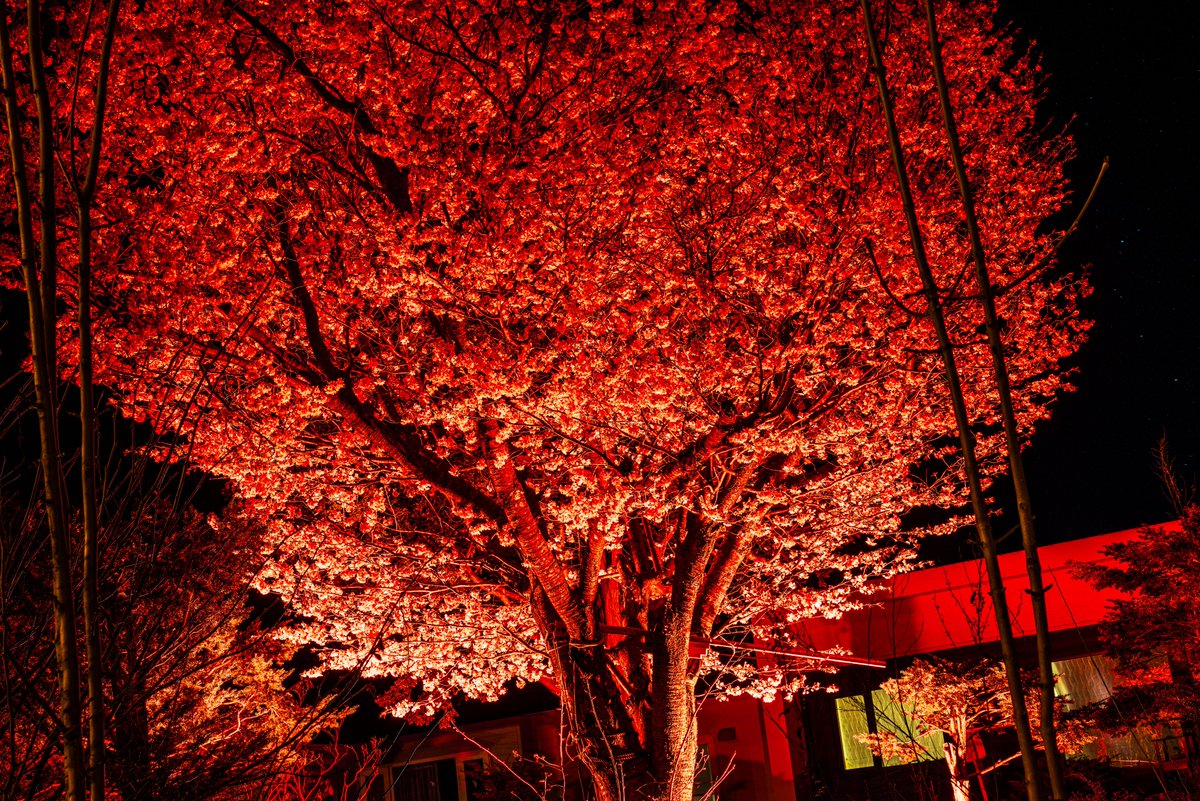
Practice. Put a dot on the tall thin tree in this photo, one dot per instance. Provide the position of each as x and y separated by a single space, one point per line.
966 441
1037 589
40 270
39 266
85 194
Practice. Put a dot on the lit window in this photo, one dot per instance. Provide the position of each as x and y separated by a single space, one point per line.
879 713
1090 679
852 720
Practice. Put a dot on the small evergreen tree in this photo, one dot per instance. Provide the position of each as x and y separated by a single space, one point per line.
1153 635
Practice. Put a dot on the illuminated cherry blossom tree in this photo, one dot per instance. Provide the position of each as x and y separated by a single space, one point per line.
946 698
554 341
958 699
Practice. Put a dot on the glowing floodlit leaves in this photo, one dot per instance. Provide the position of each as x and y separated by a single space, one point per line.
529 328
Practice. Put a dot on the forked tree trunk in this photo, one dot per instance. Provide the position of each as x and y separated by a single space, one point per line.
617 763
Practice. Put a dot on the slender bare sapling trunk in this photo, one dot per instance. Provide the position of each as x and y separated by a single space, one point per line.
40 294
962 421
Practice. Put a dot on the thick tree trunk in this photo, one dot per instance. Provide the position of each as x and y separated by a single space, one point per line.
673 713
960 784
599 714
618 766
628 750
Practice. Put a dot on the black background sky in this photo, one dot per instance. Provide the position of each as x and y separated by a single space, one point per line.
1126 77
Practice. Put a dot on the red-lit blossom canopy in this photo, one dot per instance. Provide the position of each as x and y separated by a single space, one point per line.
518 320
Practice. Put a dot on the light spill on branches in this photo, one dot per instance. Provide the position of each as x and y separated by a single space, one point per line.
611 354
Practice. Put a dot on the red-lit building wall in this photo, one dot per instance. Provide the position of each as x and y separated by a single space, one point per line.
792 751
944 608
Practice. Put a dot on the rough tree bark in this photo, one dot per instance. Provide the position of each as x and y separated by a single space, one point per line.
960 782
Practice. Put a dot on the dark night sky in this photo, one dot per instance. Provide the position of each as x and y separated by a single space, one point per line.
1129 76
